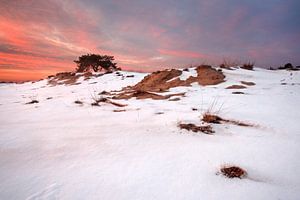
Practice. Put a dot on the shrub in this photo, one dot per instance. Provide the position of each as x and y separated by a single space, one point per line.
95 62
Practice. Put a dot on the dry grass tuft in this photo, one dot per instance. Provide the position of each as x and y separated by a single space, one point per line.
233 172
210 118
248 66
215 119
207 129
229 64
97 102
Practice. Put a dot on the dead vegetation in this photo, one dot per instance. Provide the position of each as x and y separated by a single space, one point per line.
233 172
97 102
139 94
238 93
207 129
78 102
215 119
32 102
248 66
119 110
229 64
210 118
236 87
175 99
159 113
104 93
248 83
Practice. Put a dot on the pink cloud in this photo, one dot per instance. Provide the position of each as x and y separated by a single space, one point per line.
185 54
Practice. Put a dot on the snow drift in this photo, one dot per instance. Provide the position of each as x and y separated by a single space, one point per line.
59 148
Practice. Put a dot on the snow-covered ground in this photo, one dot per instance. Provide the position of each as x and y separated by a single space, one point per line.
57 149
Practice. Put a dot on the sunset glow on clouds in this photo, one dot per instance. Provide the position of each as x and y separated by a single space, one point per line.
42 37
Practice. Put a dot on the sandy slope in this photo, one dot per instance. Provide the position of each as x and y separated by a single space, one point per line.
60 150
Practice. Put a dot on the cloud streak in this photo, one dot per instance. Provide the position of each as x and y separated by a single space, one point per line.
44 37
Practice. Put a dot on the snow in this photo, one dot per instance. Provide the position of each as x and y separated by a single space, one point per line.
186 74
57 149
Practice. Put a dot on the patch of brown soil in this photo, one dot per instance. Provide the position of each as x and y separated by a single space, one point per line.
210 118
248 83
236 87
161 81
207 129
206 75
69 78
87 75
233 172
63 78
139 94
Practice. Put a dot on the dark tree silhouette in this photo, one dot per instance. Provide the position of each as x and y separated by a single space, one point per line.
95 62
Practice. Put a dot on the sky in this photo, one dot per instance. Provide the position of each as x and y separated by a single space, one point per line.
43 37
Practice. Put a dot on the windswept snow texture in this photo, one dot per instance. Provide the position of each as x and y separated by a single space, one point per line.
56 149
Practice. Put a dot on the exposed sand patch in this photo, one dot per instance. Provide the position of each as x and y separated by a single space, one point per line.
144 95
69 78
162 81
